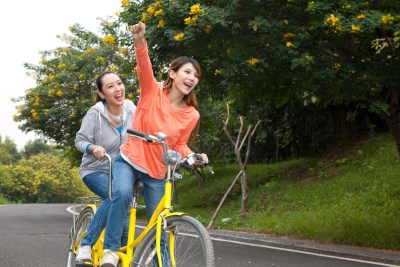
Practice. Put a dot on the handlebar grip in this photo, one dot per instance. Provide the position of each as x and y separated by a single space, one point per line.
137 133
143 135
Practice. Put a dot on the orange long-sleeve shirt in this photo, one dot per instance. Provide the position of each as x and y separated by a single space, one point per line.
154 113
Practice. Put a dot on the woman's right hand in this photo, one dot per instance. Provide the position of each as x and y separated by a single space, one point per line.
98 152
138 30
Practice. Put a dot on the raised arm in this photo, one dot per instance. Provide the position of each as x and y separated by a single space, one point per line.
144 69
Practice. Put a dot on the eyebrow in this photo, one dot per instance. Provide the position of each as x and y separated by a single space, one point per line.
190 69
107 84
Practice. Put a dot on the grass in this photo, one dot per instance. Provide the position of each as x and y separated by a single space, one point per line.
348 198
3 200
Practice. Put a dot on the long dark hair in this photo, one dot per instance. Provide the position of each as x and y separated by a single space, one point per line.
190 99
99 85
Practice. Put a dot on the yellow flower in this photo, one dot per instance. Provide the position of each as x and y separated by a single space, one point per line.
134 70
157 4
191 21
100 60
286 21
151 10
337 66
333 22
217 72
113 68
387 19
145 16
109 39
59 93
253 61
289 44
354 28
116 14
130 96
208 28
288 35
161 24
46 111
361 16
347 6
125 2
158 12
122 51
82 76
179 36
61 66
196 9
36 116
37 99
90 50
138 91
72 114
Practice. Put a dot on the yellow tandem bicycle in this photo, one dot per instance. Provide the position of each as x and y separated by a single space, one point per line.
185 239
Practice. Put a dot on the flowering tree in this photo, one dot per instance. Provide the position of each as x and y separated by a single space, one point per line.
65 80
322 59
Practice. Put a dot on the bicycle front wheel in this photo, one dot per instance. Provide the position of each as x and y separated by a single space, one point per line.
191 241
81 225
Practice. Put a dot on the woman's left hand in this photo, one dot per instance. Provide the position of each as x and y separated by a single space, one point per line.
204 157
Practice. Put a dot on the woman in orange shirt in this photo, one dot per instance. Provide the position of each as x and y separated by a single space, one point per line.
168 107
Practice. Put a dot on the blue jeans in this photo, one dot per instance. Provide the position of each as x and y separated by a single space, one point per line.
97 182
124 176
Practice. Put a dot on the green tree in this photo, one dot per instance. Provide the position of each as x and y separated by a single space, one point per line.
57 181
65 82
38 146
8 151
309 69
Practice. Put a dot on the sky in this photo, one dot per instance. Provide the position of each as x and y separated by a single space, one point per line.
28 27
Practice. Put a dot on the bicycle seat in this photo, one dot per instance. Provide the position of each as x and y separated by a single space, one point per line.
138 188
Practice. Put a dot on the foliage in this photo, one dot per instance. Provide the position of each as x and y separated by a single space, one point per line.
65 81
44 178
313 71
39 146
8 151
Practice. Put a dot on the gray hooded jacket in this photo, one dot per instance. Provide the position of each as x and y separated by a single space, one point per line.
97 129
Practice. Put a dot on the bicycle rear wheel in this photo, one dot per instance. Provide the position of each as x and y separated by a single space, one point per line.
193 245
81 225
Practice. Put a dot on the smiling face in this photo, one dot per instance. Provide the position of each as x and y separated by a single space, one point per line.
112 89
185 78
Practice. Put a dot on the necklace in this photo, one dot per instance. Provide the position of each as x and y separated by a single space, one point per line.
118 118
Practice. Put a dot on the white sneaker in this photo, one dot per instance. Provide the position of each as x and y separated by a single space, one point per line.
110 259
84 255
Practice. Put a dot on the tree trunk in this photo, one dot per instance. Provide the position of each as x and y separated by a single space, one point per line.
392 120
212 221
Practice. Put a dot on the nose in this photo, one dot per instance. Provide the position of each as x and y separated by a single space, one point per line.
192 76
120 87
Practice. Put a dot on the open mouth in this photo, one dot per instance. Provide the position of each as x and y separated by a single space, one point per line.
188 85
119 97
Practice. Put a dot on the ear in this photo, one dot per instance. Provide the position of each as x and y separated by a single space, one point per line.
101 94
171 74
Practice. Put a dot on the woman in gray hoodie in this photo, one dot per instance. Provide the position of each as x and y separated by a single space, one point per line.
103 130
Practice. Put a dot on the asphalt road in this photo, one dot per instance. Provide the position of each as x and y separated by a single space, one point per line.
37 235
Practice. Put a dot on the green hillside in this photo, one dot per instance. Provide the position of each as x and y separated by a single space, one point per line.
351 196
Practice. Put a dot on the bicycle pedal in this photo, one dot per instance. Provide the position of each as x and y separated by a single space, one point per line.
84 264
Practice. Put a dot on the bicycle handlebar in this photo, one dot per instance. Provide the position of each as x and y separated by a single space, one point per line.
190 159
